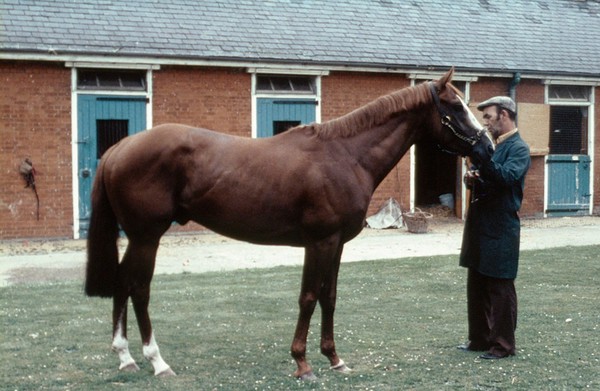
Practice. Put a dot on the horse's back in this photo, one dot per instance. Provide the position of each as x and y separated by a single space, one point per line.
179 173
260 190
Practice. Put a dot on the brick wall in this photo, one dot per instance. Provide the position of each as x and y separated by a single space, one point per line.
35 122
533 198
212 98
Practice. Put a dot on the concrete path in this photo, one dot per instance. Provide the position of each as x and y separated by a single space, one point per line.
204 252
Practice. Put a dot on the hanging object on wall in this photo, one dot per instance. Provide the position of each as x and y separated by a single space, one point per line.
28 173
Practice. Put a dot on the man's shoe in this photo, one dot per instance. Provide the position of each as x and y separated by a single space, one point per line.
491 356
468 347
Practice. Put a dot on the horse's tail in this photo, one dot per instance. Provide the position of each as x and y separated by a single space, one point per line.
102 251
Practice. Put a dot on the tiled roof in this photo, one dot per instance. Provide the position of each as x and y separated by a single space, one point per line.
546 36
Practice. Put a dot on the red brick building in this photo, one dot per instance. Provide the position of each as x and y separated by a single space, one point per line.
73 81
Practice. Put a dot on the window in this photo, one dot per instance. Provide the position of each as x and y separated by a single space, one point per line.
569 118
285 84
568 130
109 132
94 79
568 93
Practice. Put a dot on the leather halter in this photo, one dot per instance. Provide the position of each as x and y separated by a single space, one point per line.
450 122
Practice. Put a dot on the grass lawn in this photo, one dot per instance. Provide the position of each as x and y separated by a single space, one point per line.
397 326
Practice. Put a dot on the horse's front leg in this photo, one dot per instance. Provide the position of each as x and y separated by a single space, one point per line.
320 260
307 303
327 300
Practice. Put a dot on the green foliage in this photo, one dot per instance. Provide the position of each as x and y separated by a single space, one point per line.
397 326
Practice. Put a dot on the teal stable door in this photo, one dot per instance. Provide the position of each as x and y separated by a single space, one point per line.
102 122
568 185
277 115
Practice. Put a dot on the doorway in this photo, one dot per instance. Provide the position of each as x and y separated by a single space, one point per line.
435 176
102 120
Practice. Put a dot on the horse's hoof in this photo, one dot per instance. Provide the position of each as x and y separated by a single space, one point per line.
131 367
308 376
341 367
166 373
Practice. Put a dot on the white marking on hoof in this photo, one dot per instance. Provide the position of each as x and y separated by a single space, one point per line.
152 354
341 367
120 345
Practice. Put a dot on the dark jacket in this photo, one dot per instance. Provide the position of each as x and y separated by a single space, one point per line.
491 237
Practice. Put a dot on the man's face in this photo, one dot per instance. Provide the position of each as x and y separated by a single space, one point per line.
491 121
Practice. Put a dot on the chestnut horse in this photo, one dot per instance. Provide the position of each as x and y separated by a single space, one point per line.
308 187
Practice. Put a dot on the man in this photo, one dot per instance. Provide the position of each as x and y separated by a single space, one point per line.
491 237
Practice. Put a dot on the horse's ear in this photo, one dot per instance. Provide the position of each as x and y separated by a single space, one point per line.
447 78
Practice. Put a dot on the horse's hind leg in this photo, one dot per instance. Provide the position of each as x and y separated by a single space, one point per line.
120 344
136 271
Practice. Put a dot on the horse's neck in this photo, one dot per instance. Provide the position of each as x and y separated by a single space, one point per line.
379 149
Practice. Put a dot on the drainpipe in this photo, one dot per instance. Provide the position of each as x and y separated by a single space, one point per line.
512 87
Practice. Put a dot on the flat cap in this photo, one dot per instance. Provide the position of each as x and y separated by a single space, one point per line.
504 102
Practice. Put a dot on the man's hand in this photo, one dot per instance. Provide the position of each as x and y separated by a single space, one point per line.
471 177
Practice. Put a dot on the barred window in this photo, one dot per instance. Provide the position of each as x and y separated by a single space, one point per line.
100 79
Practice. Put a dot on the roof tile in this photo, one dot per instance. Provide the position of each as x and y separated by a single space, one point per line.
527 35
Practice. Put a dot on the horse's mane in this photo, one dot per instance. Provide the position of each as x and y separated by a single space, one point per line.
374 113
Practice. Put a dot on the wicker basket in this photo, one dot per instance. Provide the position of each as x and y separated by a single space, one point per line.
417 222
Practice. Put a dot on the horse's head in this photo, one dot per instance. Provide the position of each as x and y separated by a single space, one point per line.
458 131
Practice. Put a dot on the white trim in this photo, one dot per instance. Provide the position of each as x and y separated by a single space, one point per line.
74 154
436 75
149 98
318 97
290 71
148 94
412 187
592 145
557 102
110 65
287 95
253 106
413 177
574 81
112 92
546 187
590 105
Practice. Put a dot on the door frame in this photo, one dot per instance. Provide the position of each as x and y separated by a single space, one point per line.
75 92
283 96
590 105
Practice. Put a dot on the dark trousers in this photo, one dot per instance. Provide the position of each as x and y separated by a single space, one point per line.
492 313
